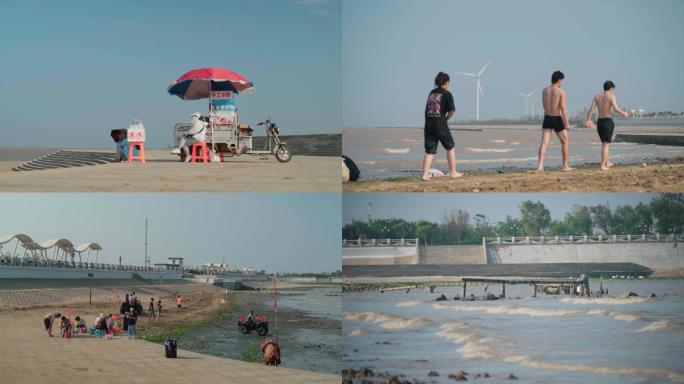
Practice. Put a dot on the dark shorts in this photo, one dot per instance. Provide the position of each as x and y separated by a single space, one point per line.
435 134
553 122
605 128
47 323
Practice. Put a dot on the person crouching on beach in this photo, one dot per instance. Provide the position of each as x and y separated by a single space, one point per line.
606 104
65 327
439 109
180 303
196 133
48 320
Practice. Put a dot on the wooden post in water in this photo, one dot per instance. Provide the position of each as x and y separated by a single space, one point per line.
464 288
503 289
534 286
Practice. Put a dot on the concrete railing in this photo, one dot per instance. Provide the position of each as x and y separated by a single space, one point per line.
586 239
379 243
7 261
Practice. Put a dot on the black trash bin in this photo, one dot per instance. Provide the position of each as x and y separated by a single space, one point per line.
170 348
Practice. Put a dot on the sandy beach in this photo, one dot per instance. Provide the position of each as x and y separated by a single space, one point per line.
164 173
38 358
622 178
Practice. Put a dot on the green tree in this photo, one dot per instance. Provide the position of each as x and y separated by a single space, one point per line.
534 218
510 227
644 218
668 211
578 221
625 221
602 217
558 228
455 224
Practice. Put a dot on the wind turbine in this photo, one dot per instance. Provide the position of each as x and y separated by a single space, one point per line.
478 89
527 98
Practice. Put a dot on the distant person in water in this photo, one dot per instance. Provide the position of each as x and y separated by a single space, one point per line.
606 104
438 110
555 120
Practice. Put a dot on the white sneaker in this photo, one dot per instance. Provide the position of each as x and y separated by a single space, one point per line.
176 151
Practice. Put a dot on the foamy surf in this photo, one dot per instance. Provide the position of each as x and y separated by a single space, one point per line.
408 303
527 361
472 345
489 150
604 301
358 332
660 325
390 150
539 312
387 321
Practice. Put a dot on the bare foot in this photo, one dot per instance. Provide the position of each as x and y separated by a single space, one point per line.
540 170
605 168
456 175
426 178
567 169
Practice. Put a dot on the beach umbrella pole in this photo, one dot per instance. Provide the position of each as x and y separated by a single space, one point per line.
211 125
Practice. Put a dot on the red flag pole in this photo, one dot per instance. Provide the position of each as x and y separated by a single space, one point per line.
275 306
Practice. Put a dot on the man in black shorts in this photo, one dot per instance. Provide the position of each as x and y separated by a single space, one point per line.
438 110
606 104
556 119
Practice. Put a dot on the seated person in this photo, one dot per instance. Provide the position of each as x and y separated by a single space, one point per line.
196 133
80 324
121 140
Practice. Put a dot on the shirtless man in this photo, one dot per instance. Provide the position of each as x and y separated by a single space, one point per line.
606 104
556 119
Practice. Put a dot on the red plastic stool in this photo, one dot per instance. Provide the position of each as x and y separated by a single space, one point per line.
140 156
195 153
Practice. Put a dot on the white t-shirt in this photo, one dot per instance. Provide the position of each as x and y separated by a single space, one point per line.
198 129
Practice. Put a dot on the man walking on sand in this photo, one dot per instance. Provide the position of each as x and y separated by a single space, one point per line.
555 119
606 104
438 110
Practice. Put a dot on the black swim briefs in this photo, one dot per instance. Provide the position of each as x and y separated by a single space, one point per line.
605 127
553 122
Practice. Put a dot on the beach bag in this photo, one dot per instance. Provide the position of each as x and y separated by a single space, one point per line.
354 172
170 348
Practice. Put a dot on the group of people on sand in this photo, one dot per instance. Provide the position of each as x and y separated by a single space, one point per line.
106 325
440 108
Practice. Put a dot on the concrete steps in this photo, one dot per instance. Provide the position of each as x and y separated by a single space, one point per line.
66 159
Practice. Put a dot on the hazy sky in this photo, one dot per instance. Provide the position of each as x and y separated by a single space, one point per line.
289 232
392 50
495 206
72 70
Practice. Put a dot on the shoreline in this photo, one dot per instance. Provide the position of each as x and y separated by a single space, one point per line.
663 176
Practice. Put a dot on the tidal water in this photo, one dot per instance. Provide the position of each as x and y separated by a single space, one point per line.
301 347
548 339
393 152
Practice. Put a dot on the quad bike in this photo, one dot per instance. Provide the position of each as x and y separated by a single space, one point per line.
259 324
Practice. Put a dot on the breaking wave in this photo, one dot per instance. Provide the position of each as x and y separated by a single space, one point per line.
390 150
660 326
358 332
408 303
388 321
538 312
492 150
609 301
